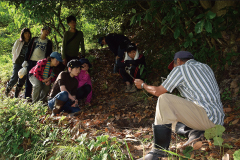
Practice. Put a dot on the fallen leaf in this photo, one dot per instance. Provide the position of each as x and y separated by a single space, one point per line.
226 110
106 130
228 119
130 146
213 154
147 136
137 134
129 136
235 121
192 156
237 143
197 145
81 130
112 106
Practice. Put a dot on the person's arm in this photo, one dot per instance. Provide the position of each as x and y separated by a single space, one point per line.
48 49
30 48
111 42
82 78
82 44
15 46
38 71
72 97
154 90
64 48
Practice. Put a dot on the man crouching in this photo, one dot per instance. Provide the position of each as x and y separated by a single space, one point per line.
63 93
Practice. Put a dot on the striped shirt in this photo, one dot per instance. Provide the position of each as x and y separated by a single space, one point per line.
196 83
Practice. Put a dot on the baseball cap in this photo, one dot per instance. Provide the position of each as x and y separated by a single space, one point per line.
74 63
181 55
46 28
57 56
100 41
84 60
131 46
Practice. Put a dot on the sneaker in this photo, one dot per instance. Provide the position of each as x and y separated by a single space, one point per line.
133 89
128 88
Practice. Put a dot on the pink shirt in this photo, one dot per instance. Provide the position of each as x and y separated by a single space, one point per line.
84 78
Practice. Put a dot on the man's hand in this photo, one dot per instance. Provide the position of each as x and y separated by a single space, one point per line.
75 104
117 57
138 83
64 61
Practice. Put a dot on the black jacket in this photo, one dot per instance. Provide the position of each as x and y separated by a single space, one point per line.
31 48
114 40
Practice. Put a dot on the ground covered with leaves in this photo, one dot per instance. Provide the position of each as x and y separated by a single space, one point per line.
129 116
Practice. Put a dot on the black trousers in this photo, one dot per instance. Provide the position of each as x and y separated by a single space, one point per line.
134 71
83 91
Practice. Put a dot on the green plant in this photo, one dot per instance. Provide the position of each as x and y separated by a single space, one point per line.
236 155
215 133
226 94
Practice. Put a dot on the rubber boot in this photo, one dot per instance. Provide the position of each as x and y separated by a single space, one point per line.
8 89
57 107
193 136
17 91
161 140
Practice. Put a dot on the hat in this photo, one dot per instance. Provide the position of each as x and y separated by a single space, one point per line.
57 56
74 63
131 46
84 60
100 41
181 55
47 28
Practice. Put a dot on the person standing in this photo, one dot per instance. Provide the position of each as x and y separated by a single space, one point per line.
39 48
117 43
19 50
72 40
199 109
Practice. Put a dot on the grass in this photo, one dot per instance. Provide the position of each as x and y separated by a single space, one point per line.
23 136
6 67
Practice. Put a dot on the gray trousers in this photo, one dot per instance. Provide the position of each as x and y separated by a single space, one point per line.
15 79
40 90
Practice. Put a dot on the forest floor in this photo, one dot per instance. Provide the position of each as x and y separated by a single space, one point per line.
129 116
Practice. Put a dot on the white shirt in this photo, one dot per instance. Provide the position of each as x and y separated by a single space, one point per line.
39 50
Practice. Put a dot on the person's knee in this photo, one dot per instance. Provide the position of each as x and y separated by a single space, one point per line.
164 98
63 96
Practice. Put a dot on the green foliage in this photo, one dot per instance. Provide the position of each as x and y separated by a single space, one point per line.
5 67
226 95
22 136
236 155
215 133
18 125
187 151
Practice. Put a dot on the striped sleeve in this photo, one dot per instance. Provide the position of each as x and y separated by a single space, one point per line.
174 79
